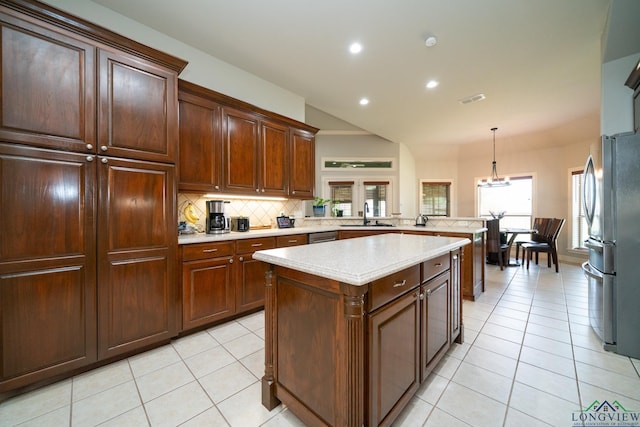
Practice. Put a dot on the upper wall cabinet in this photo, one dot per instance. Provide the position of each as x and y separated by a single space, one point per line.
303 153
200 143
230 146
92 91
138 113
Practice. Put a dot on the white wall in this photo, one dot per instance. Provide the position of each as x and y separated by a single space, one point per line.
203 69
617 99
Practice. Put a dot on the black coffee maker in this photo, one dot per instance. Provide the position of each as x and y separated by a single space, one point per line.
217 222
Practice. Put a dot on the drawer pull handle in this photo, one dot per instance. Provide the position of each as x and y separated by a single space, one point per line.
256 245
206 251
400 284
438 264
293 241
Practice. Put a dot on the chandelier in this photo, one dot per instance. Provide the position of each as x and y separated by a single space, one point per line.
494 180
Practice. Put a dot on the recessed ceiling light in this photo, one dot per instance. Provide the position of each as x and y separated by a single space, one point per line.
364 101
431 41
432 83
355 48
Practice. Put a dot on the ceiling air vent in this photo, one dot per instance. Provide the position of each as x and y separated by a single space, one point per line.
472 98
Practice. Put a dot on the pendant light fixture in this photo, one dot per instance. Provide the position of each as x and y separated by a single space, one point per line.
493 180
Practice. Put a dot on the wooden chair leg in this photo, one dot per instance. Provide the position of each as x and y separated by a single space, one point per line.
501 260
527 254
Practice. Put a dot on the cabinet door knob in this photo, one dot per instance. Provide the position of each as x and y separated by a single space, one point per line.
231 261
293 192
89 147
257 190
455 257
105 161
89 158
217 187
103 147
421 297
241 259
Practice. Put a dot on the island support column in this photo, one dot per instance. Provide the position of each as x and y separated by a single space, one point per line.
354 356
269 399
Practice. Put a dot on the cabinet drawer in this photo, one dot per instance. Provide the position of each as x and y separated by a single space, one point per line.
384 290
433 267
206 250
295 240
246 246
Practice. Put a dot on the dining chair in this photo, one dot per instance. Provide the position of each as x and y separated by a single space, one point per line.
541 226
549 247
494 243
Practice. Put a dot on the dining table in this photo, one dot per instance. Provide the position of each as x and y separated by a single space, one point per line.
511 234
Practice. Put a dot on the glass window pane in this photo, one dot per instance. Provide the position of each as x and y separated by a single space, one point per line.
376 197
514 200
343 194
435 199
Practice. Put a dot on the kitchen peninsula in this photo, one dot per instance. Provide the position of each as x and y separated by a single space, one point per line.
352 327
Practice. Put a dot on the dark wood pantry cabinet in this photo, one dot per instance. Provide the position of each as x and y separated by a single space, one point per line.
88 141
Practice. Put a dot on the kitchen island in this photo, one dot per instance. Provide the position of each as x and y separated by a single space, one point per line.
352 327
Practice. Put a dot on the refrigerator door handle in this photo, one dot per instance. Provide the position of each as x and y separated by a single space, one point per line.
597 246
593 273
607 281
589 190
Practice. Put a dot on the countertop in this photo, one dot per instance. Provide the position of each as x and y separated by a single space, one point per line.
360 261
186 239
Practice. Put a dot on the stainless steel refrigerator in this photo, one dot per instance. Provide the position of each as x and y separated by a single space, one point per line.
612 206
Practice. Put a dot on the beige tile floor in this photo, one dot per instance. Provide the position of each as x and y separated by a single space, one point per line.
529 359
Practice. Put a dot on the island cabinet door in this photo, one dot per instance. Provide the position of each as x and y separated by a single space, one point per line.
394 357
435 321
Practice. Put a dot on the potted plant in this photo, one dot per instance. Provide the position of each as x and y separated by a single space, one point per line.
319 206
335 207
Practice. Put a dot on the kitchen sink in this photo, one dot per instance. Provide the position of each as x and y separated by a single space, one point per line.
377 224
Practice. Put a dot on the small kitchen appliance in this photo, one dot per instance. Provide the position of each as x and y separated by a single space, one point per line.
239 223
217 222
421 220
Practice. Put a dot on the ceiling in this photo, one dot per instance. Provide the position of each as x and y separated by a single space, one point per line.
537 62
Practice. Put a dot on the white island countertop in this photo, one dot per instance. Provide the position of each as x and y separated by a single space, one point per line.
364 259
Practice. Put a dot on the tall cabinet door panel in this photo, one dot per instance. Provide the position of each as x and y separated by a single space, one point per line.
137 109
136 252
200 148
302 176
47 264
435 321
274 165
394 361
48 87
240 147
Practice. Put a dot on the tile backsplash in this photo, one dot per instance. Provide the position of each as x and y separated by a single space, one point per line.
260 212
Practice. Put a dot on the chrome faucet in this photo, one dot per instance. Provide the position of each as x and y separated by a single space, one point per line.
365 210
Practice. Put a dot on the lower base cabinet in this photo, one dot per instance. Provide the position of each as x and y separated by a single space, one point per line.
207 286
353 356
394 360
249 278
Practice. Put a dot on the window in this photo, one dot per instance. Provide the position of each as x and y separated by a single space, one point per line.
352 193
578 219
435 198
342 193
375 195
515 200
